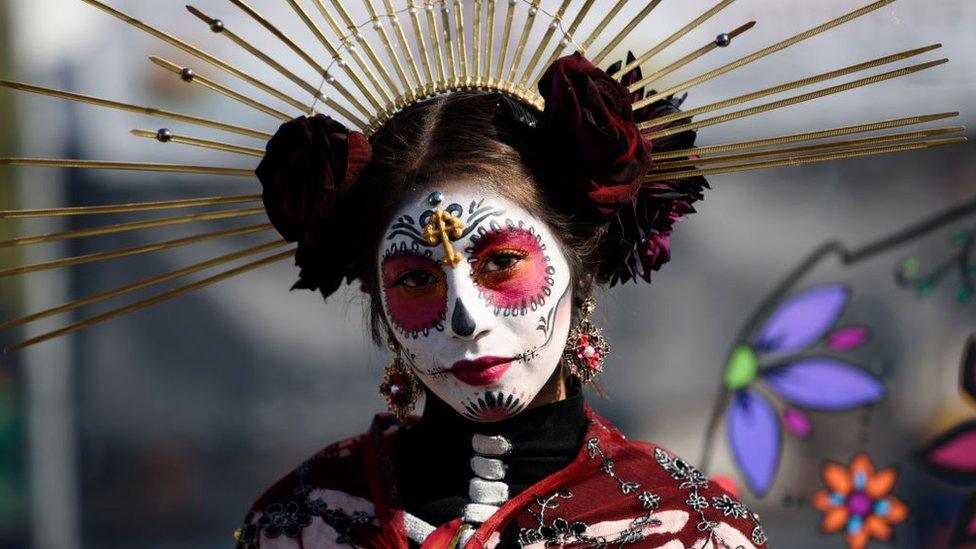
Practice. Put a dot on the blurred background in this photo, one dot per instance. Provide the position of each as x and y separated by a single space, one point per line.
158 429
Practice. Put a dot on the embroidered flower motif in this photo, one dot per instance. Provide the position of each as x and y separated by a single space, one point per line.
729 507
288 519
562 531
649 501
782 357
697 502
858 499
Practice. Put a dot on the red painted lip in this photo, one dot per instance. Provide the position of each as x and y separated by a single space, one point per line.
481 371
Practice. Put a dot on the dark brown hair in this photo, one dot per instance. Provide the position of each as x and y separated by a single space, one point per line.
468 134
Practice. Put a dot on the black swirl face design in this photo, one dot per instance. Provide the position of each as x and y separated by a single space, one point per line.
411 228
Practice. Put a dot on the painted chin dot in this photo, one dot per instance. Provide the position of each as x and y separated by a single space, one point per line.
414 311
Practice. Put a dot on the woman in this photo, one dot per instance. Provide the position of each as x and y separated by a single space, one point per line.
479 234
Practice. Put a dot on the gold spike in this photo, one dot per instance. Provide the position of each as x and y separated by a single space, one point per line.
476 43
523 40
567 38
418 34
145 283
435 39
807 136
619 37
316 66
460 40
655 76
132 207
553 27
801 160
164 137
402 40
191 77
130 166
602 25
330 47
353 37
131 226
448 40
152 111
506 39
795 100
674 37
142 303
852 143
789 86
224 30
741 62
390 50
135 250
490 42
198 53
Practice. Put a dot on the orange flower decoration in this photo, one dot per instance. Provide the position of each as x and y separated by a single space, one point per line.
859 500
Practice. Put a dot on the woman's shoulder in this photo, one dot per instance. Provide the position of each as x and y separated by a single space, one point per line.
324 502
680 500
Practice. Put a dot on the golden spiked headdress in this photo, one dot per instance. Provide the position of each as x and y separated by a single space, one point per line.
405 52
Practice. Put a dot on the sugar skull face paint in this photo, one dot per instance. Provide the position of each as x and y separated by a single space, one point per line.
486 333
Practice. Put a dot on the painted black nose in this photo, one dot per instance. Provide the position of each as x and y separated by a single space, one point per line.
461 321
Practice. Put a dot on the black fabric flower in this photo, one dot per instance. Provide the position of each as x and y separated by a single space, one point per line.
288 519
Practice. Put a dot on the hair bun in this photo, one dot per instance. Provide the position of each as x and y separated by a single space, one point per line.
309 166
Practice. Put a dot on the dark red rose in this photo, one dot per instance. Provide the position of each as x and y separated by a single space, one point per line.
591 134
639 238
309 165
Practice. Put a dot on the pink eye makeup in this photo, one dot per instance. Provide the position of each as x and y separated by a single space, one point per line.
510 267
415 290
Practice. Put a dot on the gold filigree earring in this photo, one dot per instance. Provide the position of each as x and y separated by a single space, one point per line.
400 385
586 348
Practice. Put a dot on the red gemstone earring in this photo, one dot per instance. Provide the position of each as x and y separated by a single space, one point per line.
400 386
586 348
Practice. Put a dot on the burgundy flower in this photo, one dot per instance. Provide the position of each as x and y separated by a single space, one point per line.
309 165
641 231
590 132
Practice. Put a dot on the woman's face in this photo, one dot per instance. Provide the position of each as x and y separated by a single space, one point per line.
484 331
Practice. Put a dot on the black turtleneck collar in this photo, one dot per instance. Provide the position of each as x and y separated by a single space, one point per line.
433 456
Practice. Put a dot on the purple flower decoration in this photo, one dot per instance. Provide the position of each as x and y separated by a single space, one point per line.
778 375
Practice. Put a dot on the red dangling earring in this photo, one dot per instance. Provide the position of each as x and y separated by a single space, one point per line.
586 348
400 386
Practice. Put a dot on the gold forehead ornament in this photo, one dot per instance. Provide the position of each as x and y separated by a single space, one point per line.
444 227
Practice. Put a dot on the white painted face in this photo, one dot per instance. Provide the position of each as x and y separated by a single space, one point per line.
486 334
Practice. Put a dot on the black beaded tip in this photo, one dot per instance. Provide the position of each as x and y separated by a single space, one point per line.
723 40
217 25
164 135
187 75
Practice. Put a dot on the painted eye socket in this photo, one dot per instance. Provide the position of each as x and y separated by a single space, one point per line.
512 270
415 291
